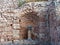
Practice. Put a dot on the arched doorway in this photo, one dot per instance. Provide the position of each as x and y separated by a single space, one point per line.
29 19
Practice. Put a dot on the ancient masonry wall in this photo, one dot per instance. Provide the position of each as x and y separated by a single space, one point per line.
10 21
53 24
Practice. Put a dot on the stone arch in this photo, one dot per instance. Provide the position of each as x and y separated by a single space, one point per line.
28 17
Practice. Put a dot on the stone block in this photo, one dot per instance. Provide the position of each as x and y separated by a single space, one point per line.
16 26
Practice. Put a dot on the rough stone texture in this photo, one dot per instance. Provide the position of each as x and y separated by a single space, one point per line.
58 21
48 26
41 30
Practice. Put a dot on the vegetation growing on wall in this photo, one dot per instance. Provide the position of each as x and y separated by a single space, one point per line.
21 2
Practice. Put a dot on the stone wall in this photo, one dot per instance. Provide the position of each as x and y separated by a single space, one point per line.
9 25
48 25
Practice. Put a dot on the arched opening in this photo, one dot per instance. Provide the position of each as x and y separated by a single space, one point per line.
29 19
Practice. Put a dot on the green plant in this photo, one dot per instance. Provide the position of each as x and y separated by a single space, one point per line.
21 3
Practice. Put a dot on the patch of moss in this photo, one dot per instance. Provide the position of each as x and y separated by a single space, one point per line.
21 3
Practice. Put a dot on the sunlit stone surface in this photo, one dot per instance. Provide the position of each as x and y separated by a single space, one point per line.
10 22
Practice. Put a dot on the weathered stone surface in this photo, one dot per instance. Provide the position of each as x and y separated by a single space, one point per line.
11 20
